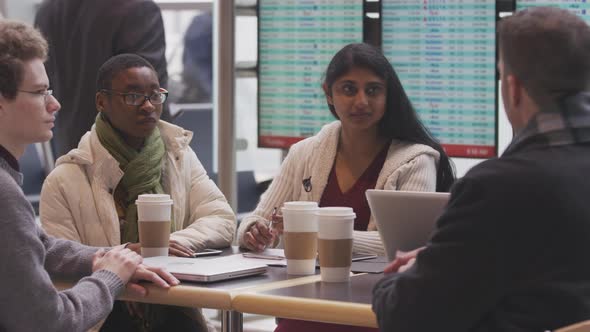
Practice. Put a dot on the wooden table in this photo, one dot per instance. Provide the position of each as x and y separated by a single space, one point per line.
341 303
274 293
216 295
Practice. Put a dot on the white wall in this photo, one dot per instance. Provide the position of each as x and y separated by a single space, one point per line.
23 10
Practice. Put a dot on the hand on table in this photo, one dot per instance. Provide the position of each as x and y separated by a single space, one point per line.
176 249
126 264
403 261
156 275
121 261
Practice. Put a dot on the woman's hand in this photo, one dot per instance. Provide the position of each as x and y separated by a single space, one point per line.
258 236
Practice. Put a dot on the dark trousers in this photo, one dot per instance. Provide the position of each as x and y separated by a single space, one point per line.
169 318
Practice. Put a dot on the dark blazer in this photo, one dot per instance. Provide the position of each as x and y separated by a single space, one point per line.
510 253
82 35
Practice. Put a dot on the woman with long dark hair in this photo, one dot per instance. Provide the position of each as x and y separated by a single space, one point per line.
400 120
378 142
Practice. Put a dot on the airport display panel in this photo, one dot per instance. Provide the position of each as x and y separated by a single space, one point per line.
444 52
578 7
296 40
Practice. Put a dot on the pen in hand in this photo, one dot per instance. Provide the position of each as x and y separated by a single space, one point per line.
270 227
263 233
276 228
272 219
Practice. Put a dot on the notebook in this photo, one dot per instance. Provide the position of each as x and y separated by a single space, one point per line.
207 270
405 219
276 257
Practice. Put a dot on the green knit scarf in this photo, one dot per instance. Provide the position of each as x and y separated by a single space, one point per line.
142 171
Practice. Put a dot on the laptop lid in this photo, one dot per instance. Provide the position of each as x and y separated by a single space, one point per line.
405 219
207 270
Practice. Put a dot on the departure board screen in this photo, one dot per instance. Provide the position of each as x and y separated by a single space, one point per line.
444 52
296 41
578 7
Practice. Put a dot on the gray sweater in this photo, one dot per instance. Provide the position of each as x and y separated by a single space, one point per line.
28 257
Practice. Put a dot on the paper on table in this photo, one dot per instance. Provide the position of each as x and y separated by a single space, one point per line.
272 257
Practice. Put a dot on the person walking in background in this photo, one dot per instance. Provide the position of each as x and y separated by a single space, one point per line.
29 257
82 35
197 60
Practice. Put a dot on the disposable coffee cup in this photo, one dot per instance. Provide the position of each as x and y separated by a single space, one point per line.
335 229
300 231
153 219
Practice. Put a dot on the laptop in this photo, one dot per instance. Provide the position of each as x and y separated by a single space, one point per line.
405 219
207 270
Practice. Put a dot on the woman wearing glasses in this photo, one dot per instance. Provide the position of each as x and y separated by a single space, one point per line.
90 195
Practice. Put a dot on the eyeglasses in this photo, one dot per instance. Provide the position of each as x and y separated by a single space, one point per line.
137 99
44 93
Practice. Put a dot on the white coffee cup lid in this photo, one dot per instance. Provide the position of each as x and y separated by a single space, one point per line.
300 205
336 211
153 199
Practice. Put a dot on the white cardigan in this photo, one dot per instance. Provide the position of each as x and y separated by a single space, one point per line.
408 167
77 197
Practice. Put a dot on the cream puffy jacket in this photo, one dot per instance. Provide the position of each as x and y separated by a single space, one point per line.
77 197
408 167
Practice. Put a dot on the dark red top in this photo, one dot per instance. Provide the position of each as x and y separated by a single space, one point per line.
6 155
355 196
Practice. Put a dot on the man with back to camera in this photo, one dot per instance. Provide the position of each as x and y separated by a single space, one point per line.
83 34
28 257
511 250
